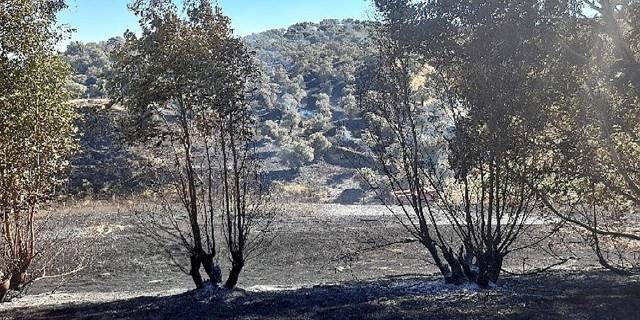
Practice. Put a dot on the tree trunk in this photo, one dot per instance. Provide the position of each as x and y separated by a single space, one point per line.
4 289
212 269
456 274
234 275
451 271
495 268
489 269
16 281
466 261
195 271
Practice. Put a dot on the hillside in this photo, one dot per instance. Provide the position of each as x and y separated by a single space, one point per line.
306 93
304 100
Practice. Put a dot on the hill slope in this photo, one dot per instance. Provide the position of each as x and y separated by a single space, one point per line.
304 101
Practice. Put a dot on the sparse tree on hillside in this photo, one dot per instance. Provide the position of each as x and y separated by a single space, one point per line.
309 61
320 144
321 121
290 109
323 105
349 103
266 94
297 153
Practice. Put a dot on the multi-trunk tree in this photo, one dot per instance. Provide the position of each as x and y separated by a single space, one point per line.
548 85
594 132
37 134
183 83
466 152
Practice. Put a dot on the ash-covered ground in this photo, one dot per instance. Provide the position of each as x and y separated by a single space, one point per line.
327 262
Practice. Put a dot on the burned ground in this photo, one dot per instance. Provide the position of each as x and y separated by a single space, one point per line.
321 265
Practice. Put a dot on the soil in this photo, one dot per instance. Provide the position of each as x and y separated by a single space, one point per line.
324 264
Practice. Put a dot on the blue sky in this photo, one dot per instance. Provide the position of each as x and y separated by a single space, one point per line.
96 20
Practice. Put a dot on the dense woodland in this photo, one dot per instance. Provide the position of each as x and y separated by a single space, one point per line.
474 122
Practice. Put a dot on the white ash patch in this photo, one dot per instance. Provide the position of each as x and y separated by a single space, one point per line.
62 298
211 292
271 288
434 287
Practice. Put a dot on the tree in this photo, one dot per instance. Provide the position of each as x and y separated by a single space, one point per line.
593 136
349 104
184 82
290 109
266 93
580 67
37 133
323 105
321 121
297 153
320 144
484 79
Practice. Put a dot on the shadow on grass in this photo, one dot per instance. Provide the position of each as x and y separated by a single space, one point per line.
595 295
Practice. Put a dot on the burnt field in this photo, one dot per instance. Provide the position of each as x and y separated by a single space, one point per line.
326 261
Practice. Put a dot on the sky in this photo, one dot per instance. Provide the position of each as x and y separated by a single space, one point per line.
96 20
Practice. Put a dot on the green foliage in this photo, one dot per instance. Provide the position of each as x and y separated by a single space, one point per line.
487 69
76 90
194 68
37 133
91 65
548 94
593 138
320 144
597 125
349 104
309 77
306 84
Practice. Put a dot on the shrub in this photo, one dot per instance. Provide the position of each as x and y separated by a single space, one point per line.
319 143
296 154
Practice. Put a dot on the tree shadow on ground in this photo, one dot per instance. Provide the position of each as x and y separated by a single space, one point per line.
562 295
340 178
279 175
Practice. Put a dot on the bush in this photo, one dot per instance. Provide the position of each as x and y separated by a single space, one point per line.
76 90
299 192
319 143
296 154
277 133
